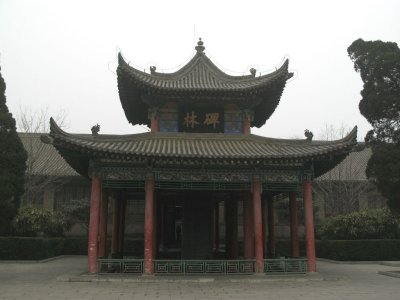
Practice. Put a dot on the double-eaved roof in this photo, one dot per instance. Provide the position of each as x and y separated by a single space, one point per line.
199 80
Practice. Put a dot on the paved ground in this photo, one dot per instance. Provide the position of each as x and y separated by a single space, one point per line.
334 281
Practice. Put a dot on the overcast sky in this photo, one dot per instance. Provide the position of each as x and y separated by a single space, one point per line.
62 55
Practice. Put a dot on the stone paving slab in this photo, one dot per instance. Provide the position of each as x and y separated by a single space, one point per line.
35 281
189 278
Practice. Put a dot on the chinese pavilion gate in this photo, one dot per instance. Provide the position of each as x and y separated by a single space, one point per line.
199 156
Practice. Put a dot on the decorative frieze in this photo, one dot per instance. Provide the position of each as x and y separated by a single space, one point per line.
223 176
283 176
121 173
202 176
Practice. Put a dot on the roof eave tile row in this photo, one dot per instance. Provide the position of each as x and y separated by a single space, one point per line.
205 84
230 149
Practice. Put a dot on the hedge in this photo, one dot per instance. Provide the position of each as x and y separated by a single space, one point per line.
20 248
37 248
24 248
348 250
359 250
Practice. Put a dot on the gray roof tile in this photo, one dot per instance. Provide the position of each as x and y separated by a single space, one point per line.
44 158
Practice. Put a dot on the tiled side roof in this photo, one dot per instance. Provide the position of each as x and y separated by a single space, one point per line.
208 147
45 159
353 167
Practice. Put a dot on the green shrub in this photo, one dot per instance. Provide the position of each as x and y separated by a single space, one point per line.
32 222
371 224
359 250
21 248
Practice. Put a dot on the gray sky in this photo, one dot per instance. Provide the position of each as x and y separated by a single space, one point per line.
62 55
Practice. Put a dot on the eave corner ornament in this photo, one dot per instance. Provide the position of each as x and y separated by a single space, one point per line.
95 129
309 135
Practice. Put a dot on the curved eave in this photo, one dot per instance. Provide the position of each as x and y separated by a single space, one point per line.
199 78
215 149
207 77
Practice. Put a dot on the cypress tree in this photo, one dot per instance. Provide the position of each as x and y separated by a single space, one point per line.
379 66
12 164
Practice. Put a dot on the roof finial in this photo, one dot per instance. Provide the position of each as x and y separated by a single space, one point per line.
200 48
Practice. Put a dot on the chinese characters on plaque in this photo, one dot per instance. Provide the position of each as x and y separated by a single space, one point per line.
201 120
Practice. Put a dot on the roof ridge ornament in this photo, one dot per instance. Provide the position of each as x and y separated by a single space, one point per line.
200 48
309 135
95 129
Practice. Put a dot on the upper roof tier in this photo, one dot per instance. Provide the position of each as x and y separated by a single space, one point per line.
199 80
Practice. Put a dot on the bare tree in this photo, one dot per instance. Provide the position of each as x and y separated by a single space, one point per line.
31 124
341 187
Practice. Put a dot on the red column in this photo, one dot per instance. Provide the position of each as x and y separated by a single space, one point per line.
94 225
293 225
309 226
271 227
149 226
103 223
246 126
153 117
248 227
258 249
115 226
154 125
247 118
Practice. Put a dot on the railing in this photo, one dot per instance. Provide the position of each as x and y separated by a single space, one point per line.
285 265
183 267
187 267
120 266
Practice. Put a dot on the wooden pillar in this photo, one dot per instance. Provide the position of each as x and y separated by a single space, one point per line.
271 227
246 126
153 116
258 248
94 224
247 118
248 227
149 226
103 223
115 226
293 225
231 220
309 226
154 125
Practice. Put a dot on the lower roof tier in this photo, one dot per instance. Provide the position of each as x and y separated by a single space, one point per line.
238 150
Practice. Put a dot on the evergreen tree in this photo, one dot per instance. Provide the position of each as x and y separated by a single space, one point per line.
379 66
12 164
